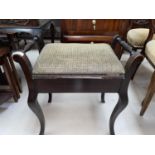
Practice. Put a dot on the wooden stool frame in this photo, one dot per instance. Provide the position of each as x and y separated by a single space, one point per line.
59 84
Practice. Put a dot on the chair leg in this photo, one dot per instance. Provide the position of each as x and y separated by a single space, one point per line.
135 72
149 95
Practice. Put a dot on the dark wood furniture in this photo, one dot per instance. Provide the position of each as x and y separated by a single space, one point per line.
12 39
149 55
61 83
144 33
140 25
36 28
92 30
139 32
9 82
149 94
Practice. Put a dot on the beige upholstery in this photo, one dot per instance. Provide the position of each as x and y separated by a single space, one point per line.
61 58
150 50
137 37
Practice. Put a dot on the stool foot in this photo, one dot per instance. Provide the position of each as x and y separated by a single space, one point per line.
35 107
50 97
102 97
122 103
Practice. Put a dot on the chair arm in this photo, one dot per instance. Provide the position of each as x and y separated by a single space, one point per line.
26 66
132 64
118 40
130 68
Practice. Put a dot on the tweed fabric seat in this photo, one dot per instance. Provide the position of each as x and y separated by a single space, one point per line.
78 59
150 50
137 37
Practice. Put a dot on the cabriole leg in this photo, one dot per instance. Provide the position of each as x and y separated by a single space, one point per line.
50 97
122 103
35 107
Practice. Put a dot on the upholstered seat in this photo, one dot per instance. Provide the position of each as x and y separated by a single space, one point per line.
137 37
78 59
150 51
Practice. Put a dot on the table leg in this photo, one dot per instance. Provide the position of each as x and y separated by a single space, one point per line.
14 72
35 107
122 103
11 79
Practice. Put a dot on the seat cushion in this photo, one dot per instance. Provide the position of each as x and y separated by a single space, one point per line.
78 59
150 50
137 37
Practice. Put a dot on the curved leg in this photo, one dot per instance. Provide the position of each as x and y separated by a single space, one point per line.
102 97
122 103
149 95
50 97
132 77
35 107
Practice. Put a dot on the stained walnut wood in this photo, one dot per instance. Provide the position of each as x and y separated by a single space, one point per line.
145 23
82 30
142 23
18 22
150 92
59 84
13 87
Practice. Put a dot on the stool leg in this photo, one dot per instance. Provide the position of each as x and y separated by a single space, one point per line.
10 78
102 97
15 74
50 97
122 103
149 95
35 107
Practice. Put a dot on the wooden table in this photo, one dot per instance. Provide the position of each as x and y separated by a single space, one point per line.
35 29
9 82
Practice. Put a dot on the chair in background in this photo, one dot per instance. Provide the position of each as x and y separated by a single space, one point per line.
141 36
150 55
9 82
139 32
